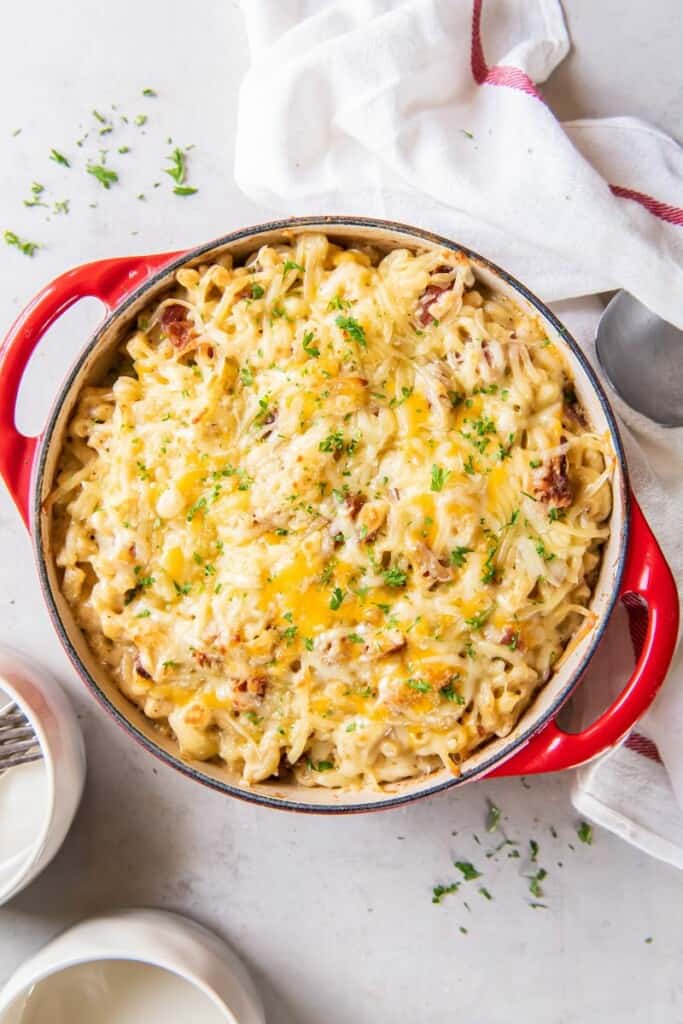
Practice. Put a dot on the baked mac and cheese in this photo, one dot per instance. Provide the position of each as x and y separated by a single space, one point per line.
333 512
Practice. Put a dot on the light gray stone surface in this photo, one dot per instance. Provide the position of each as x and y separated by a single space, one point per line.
333 915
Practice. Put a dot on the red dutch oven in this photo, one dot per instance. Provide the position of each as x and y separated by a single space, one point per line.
632 563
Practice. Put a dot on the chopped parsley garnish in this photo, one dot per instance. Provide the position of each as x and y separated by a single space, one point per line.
479 620
527 495
338 303
355 638
439 478
104 175
469 872
308 643
353 329
291 265
321 766
439 891
246 376
199 506
448 692
144 614
469 465
535 883
535 463
336 599
182 589
22 244
332 443
420 685
546 555
59 158
405 395
456 398
585 833
459 556
556 513
395 577
289 634
308 346
257 292
492 818
512 642
489 573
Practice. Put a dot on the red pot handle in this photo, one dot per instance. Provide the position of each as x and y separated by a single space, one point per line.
646 575
107 280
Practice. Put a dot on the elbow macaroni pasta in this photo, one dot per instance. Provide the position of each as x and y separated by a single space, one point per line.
332 513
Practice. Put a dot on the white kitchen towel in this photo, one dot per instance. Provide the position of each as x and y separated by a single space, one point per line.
429 111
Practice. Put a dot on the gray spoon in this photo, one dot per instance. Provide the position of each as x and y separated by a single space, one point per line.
642 356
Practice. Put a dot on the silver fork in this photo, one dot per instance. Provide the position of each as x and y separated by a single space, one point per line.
18 742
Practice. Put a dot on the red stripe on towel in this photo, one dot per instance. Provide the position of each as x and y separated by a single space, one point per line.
665 211
642 745
515 78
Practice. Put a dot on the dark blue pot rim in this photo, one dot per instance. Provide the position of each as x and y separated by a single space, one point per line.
252 795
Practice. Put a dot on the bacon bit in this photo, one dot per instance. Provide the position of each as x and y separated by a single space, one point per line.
508 636
141 670
572 407
354 503
177 325
256 686
430 295
203 659
430 566
551 484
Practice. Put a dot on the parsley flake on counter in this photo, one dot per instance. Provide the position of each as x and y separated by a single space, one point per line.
585 833
535 883
140 120
468 870
184 190
439 891
177 168
149 92
485 893
104 175
22 244
492 818
59 158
